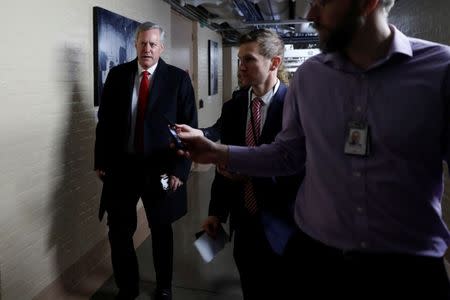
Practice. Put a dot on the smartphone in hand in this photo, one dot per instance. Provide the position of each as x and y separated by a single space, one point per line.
179 145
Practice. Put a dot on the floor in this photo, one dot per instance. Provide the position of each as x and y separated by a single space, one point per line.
193 279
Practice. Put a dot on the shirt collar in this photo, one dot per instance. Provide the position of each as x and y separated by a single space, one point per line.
151 70
267 97
400 45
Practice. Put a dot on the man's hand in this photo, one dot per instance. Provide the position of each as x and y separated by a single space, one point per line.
174 183
188 130
232 176
100 174
211 226
201 150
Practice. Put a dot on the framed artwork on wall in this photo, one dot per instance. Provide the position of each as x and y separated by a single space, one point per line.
213 67
113 45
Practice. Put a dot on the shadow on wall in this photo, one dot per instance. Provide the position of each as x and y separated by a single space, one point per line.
75 227
446 206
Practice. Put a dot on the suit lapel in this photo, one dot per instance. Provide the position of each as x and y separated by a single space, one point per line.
242 117
129 79
273 113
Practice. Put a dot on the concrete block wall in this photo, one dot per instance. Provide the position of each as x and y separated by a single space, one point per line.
426 20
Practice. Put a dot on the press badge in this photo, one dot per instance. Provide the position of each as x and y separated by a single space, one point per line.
357 139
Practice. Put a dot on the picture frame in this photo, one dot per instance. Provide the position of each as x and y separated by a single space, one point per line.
113 45
213 67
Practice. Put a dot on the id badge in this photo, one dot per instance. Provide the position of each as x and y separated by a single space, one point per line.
357 139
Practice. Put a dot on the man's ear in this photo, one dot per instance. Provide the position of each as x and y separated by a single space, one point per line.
275 62
369 6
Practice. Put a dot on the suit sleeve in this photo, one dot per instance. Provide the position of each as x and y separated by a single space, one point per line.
105 122
186 114
220 204
446 118
213 133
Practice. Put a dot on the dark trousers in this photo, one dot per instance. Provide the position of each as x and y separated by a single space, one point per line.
324 272
261 270
122 222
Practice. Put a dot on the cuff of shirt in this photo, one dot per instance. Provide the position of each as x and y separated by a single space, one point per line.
234 158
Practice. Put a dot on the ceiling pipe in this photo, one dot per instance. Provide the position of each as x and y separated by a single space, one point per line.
277 22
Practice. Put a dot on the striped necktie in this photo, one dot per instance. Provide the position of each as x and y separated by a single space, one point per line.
251 139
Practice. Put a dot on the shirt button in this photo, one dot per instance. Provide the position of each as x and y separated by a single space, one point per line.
358 108
359 209
363 245
357 174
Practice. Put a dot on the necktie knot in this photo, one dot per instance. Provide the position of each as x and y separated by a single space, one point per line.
257 103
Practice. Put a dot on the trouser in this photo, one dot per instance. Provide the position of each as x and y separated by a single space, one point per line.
260 269
323 272
128 186
123 254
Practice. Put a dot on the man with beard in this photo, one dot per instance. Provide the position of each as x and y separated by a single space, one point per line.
370 221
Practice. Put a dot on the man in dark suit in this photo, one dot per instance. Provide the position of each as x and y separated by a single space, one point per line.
261 228
132 152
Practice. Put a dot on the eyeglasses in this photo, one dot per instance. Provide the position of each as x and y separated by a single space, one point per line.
318 3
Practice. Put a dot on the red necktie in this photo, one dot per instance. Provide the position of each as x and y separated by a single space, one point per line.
251 138
140 117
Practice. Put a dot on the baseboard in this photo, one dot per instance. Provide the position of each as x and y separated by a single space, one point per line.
81 280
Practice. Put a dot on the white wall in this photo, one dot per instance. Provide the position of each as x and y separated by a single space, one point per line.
181 39
230 70
207 115
48 191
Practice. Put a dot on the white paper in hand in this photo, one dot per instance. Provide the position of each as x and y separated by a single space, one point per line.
209 247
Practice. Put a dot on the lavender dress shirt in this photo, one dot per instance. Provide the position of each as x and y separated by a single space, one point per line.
389 201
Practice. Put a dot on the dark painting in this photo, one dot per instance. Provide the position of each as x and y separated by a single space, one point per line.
113 45
213 67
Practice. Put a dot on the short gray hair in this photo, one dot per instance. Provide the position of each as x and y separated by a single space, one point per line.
147 26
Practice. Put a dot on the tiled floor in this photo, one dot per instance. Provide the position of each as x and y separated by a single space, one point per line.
193 279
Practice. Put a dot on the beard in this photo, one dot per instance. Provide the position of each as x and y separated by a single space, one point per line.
341 36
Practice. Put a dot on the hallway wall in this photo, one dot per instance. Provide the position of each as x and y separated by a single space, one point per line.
427 20
423 19
230 78
207 115
48 190
49 193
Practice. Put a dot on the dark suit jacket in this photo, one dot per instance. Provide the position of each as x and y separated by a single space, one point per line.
276 195
171 95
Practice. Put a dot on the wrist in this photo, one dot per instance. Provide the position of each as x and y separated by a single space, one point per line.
222 154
